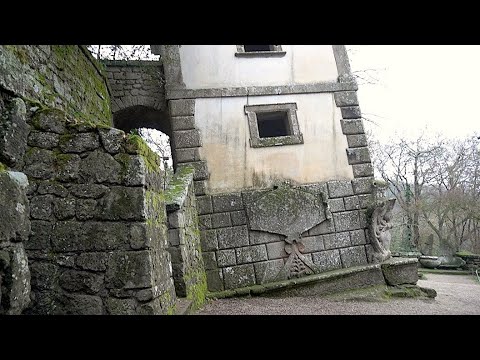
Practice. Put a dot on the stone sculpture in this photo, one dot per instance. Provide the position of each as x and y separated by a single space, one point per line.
379 228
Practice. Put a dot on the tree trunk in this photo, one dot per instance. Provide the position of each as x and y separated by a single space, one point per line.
416 199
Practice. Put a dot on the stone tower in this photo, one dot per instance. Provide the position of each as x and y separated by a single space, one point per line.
282 169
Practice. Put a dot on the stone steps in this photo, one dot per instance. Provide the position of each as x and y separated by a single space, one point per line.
395 271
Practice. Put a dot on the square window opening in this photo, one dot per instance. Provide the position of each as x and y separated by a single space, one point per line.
273 124
256 48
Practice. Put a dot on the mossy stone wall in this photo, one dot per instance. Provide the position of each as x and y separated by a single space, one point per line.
98 239
184 238
64 77
99 236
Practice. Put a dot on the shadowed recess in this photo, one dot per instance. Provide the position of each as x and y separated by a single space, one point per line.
139 116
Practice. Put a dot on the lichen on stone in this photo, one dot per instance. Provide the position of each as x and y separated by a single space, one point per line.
177 189
136 144
196 280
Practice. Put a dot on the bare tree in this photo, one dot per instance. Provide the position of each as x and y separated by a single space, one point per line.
451 205
406 166
436 184
122 52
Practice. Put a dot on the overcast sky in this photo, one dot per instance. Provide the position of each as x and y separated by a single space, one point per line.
420 86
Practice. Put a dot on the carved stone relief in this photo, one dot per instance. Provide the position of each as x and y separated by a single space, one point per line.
290 212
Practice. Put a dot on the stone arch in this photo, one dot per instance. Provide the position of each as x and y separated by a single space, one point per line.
139 116
127 101
136 83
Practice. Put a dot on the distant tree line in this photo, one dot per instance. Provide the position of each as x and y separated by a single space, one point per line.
122 52
436 182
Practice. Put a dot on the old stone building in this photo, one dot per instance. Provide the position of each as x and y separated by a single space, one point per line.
273 130
273 179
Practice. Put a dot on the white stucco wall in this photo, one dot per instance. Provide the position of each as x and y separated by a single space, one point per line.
234 165
216 66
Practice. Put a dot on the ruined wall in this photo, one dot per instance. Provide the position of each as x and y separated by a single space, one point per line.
65 77
98 239
184 238
136 82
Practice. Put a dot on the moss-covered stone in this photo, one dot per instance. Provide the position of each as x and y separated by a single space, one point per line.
369 275
399 271
49 119
286 210
129 270
136 145
64 77
177 189
20 52
13 132
155 207
196 281
123 203
167 303
133 169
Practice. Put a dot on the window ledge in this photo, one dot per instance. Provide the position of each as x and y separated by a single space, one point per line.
261 54
277 141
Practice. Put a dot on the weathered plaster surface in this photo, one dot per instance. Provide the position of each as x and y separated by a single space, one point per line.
234 165
302 64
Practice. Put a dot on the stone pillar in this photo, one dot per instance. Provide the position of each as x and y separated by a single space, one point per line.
184 238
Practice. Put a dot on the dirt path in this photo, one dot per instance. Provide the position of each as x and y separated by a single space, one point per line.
456 295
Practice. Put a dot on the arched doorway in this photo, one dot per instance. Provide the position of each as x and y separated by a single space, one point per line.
153 125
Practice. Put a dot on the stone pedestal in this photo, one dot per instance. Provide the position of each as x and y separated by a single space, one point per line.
398 271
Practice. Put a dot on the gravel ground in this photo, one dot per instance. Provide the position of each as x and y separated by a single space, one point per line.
456 295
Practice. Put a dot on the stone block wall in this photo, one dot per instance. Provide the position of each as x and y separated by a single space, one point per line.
97 237
358 153
184 238
65 77
236 253
236 256
98 241
14 207
136 82
186 142
14 231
